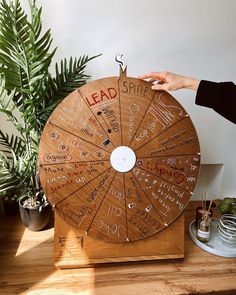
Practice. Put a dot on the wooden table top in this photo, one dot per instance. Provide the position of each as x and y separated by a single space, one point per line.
27 268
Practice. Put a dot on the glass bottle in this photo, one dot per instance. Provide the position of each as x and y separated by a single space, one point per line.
203 230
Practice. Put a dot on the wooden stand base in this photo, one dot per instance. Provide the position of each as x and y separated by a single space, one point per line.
72 249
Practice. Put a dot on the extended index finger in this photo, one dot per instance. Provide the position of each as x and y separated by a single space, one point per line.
153 75
146 76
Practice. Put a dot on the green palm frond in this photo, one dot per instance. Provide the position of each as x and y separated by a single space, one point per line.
14 173
28 93
7 105
11 143
70 75
14 176
24 58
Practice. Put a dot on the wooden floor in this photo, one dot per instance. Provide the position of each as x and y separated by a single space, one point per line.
27 268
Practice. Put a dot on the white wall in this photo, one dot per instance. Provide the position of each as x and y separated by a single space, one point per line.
186 36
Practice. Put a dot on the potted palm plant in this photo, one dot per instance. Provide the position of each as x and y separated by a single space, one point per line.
28 95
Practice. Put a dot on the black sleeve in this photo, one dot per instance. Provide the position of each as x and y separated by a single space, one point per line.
219 96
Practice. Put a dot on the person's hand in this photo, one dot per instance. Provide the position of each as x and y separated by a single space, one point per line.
169 81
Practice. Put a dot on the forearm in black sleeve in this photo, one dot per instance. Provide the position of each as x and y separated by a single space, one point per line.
219 96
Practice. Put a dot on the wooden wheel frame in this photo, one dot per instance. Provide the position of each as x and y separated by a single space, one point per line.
119 160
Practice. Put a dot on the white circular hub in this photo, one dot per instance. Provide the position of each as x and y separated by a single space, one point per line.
123 159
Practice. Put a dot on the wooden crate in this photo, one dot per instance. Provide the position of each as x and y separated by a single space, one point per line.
73 249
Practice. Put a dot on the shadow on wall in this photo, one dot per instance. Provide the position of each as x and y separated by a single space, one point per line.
210 181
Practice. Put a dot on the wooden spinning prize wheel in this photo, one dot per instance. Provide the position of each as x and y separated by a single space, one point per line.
119 160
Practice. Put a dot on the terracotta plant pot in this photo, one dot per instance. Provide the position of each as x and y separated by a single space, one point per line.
36 218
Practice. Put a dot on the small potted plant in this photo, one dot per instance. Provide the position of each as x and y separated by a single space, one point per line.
28 95
35 211
227 206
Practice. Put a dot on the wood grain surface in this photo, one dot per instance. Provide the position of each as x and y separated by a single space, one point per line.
75 150
74 249
27 267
